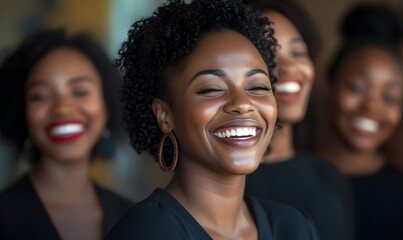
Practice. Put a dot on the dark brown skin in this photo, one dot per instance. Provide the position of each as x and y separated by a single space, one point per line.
293 66
65 85
209 180
365 110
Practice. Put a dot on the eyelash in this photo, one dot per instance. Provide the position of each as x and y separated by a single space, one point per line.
209 90
80 93
260 88
37 97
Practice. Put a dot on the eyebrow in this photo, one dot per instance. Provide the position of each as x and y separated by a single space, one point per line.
35 83
71 81
297 40
79 79
221 73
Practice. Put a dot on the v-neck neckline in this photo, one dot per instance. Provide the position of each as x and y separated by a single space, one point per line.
46 214
258 214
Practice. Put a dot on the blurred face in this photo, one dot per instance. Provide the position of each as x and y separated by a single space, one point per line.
221 107
65 110
294 71
367 98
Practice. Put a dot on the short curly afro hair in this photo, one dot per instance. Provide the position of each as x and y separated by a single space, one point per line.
162 41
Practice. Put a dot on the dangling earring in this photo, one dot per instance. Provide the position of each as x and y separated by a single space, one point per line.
161 160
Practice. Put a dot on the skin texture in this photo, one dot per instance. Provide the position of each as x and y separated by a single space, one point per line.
222 84
293 65
64 85
368 85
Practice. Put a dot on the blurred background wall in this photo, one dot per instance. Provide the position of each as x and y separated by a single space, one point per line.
108 21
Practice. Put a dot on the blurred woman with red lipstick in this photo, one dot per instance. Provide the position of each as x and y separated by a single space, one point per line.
297 178
365 102
59 92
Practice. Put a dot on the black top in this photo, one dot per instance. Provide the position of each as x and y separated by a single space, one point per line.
161 216
23 216
311 185
379 205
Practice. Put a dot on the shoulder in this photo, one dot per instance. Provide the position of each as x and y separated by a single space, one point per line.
113 198
15 193
113 206
151 218
286 222
17 206
319 166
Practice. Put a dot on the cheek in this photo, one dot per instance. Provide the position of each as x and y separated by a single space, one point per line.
268 109
96 107
37 120
308 70
197 115
394 115
348 102
36 115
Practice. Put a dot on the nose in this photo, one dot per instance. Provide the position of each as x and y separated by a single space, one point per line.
373 102
283 66
62 105
239 102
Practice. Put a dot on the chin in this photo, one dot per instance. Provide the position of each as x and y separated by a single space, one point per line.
292 119
246 167
364 147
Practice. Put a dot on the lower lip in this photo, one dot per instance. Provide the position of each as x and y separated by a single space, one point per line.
240 142
66 138
364 133
288 97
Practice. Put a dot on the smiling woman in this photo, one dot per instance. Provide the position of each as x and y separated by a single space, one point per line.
365 102
200 74
59 93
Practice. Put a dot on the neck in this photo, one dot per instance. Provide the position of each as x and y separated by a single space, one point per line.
61 182
214 200
281 146
349 161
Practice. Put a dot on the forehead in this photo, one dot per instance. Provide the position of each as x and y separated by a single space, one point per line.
372 59
223 49
62 62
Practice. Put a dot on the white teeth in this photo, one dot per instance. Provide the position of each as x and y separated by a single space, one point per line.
236 132
366 124
287 87
67 129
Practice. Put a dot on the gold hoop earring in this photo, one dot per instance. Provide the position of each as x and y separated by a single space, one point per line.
161 161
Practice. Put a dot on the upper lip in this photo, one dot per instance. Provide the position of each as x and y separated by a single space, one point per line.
238 123
289 79
284 80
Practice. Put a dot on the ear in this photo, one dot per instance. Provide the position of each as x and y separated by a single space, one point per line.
163 114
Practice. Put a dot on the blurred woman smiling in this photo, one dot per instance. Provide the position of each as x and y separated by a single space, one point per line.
62 90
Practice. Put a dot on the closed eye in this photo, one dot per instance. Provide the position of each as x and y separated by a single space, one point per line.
211 92
38 97
259 91
80 93
299 54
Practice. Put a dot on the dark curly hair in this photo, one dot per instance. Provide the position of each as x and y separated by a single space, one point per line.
363 26
16 67
163 41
